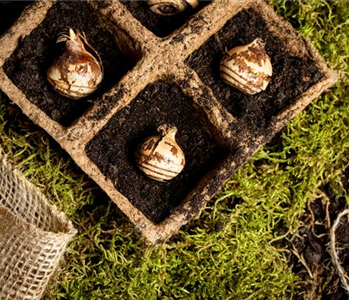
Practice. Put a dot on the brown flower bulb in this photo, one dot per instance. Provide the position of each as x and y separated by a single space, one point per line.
160 157
77 72
247 68
171 7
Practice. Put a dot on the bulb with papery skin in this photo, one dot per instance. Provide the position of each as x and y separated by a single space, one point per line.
159 156
247 68
77 72
171 7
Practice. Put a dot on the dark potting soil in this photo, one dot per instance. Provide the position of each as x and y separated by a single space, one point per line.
28 64
160 25
112 149
291 75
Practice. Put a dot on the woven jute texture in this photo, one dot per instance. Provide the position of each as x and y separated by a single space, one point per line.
33 236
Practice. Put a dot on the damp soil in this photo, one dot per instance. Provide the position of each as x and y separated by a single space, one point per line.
160 25
112 149
28 64
312 243
291 75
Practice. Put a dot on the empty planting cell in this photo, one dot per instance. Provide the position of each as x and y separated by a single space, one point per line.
28 65
160 25
291 75
113 148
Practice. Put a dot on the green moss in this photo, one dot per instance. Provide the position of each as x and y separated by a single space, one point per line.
234 250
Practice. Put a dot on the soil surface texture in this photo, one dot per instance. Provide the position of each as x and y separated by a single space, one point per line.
291 75
160 25
113 148
28 64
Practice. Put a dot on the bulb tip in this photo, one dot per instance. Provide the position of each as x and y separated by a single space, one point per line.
259 42
72 34
166 129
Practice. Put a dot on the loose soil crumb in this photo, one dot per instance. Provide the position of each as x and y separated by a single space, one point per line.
291 75
159 25
112 149
28 65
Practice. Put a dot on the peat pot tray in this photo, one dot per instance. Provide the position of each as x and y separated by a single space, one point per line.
156 77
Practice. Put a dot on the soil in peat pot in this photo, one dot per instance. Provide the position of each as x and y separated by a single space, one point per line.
160 25
311 259
28 64
113 148
291 75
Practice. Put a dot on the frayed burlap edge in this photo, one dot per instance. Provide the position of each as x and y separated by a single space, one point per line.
33 236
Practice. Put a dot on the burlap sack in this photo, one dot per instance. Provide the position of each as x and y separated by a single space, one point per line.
33 237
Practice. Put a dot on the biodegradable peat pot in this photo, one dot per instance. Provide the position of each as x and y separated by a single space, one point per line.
150 81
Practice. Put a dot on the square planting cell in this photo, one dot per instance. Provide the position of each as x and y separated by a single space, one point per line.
161 26
113 148
150 82
292 74
28 65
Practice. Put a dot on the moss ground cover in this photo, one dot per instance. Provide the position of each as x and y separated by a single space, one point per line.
236 249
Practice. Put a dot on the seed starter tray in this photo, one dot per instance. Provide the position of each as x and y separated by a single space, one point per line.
152 80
